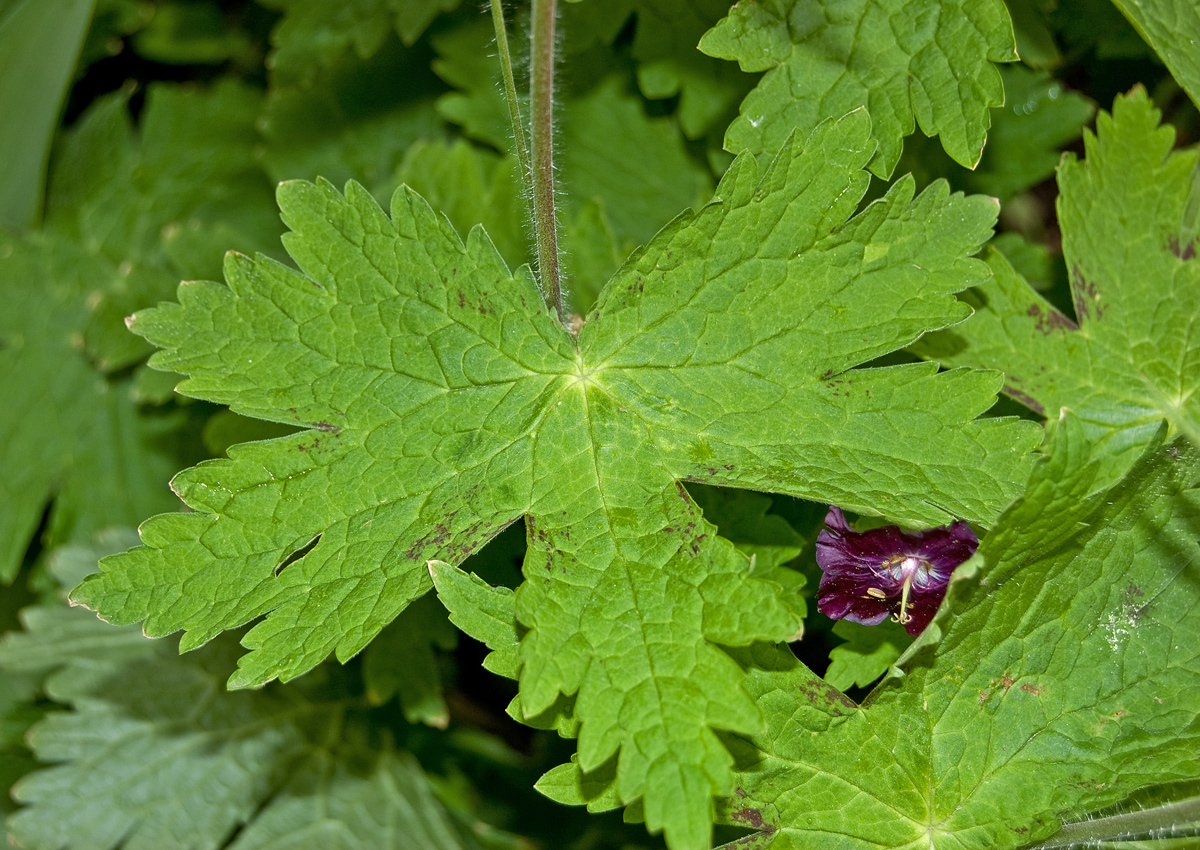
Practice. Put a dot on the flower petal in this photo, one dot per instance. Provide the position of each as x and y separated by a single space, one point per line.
863 580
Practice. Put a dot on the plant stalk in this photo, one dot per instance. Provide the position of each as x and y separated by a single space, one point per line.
1163 821
510 89
541 91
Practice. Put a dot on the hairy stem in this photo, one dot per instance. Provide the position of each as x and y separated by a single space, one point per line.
510 89
1161 821
541 91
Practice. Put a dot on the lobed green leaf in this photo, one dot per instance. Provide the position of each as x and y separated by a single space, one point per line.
442 402
1133 358
928 62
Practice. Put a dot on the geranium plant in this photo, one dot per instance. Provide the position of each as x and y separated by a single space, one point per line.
646 421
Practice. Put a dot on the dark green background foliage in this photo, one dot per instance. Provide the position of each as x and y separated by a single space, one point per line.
417 567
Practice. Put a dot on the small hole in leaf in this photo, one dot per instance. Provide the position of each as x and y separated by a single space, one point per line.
297 555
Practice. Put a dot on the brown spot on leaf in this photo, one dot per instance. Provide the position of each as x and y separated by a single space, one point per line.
1049 321
1033 689
1024 398
1086 296
1188 252
326 427
1007 681
817 693
750 817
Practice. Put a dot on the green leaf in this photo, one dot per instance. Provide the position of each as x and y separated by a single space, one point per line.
1035 41
314 34
67 433
155 206
186 32
127 217
1039 117
1065 680
379 804
486 613
1031 260
744 519
39 45
471 186
928 60
571 786
867 653
355 121
401 660
1172 28
156 754
1133 359
670 63
443 402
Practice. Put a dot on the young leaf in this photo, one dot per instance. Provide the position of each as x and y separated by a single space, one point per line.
1133 359
1065 680
928 60
443 402
353 122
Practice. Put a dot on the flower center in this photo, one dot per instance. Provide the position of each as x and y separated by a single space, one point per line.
910 570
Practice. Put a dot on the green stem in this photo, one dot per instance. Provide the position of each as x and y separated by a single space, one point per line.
1160 821
510 89
541 91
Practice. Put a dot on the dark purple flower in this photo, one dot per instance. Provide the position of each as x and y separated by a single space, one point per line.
871 574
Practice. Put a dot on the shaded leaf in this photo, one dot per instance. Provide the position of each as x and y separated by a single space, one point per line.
128 215
314 34
39 45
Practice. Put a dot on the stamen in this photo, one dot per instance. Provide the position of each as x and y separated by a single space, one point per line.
904 616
